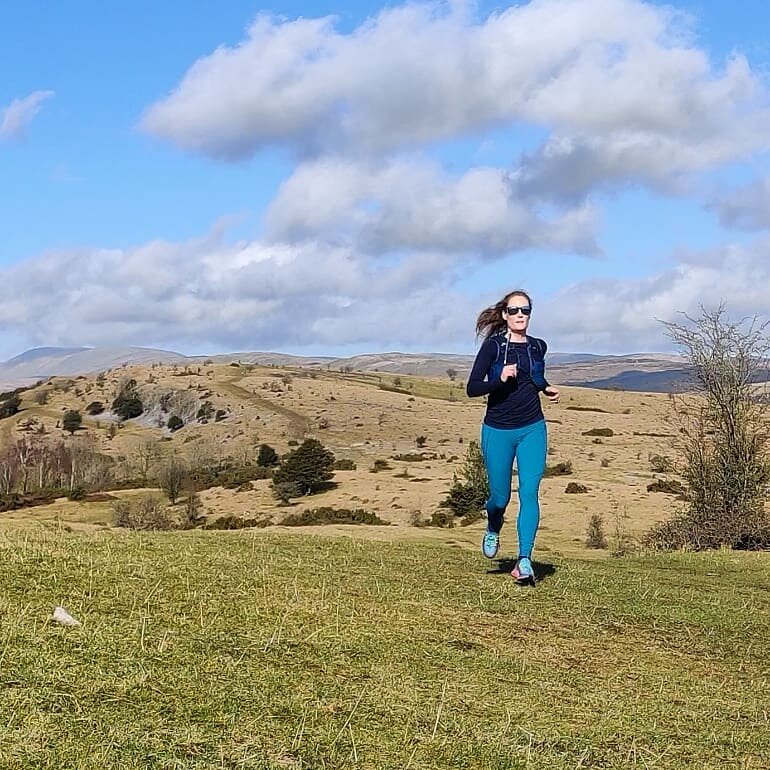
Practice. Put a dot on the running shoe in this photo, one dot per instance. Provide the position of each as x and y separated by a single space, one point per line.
523 571
490 544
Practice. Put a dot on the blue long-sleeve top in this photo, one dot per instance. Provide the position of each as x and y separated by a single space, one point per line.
514 403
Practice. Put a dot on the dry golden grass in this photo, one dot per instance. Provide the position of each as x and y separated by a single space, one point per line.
362 417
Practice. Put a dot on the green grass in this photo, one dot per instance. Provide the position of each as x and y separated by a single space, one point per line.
258 650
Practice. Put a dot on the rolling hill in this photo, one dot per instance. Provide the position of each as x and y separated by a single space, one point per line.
637 372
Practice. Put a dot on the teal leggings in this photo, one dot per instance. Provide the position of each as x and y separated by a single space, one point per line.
500 448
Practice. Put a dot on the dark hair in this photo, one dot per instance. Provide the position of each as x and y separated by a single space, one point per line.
491 319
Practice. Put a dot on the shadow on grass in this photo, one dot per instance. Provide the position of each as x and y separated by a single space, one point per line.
543 570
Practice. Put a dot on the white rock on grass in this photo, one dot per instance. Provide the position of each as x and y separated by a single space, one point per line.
60 615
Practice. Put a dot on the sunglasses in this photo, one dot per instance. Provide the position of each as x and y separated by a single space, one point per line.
512 310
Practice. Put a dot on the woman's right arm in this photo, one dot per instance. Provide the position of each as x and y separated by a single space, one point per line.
477 384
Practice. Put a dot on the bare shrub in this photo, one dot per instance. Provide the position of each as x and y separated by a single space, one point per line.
236 522
595 537
560 469
471 518
723 438
285 490
622 542
669 486
442 518
148 512
193 509
328 515
660 463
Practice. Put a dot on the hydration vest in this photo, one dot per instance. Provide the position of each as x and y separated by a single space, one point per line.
508 353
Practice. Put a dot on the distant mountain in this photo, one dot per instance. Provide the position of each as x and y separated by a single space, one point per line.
37 353
573 358
266 359
425 364
652 372
665 381
639 371
41 363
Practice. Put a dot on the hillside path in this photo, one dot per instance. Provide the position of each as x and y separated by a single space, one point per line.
299 424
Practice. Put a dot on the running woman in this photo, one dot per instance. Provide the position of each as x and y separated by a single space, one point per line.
510 369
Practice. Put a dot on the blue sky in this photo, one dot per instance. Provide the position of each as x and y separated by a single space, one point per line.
377 186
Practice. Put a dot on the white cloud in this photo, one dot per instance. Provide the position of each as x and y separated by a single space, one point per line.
411 204
625 91
567 169
211 295
621 315
17 116
249 295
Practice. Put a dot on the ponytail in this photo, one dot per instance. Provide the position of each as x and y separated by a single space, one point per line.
491 321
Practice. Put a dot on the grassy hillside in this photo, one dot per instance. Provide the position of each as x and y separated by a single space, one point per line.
420 427
262 650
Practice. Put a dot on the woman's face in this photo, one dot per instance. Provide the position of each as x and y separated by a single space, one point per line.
516 318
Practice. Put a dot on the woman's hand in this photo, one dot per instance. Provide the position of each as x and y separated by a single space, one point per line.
552 393
508 372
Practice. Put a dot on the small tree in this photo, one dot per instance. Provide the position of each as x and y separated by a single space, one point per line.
171 477
175 423
206 412
470 488
309 468
723 438
452 374
71 421
143 457
127 403
267 457
10 405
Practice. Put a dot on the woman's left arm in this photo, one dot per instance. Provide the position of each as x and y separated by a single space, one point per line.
551 393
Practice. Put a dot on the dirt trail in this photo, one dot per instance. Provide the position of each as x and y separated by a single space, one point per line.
299 424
